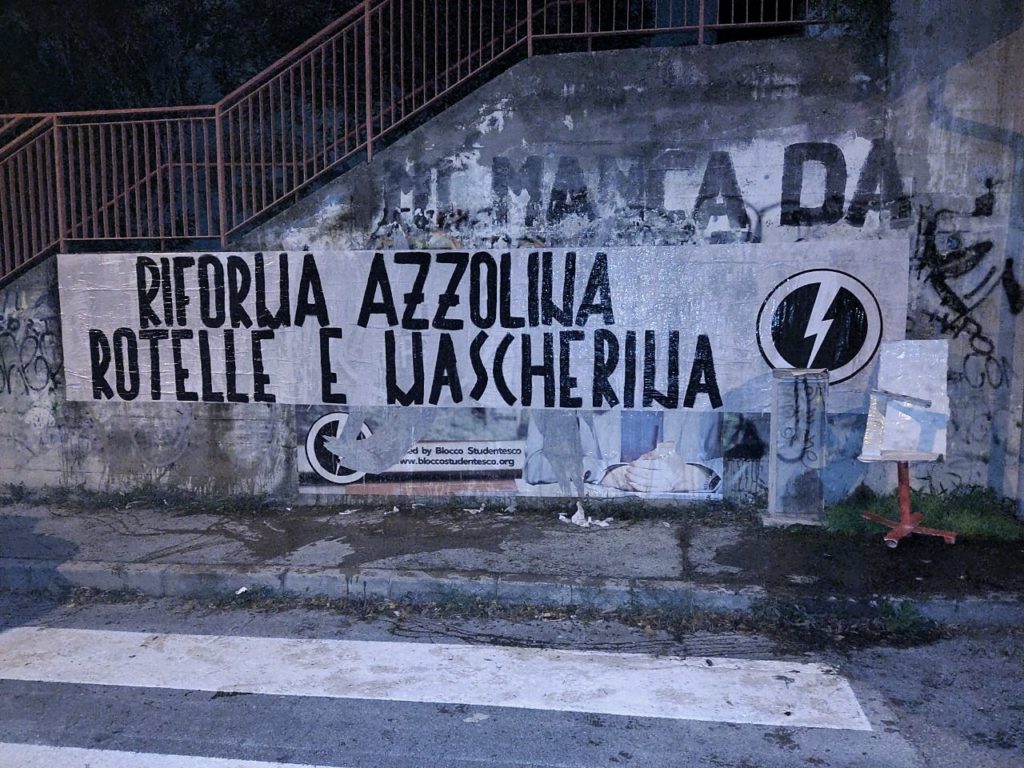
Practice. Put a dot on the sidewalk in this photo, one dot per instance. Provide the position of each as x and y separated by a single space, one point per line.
429 554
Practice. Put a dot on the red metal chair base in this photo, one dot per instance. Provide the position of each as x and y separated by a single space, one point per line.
909 522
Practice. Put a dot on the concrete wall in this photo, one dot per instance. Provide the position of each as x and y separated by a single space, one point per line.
33 418
840 139
643 147
957 122
47 442
614 149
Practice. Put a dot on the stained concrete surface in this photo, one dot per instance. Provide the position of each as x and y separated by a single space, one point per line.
378 538
725 561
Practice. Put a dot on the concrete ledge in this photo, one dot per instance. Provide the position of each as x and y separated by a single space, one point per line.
980 611
156 580
523 591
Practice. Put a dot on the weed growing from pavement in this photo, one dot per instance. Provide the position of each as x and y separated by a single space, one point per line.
874 623
790 623
903 618
973 512
153 497
626 509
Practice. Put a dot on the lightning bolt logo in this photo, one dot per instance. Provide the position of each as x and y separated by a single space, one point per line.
799 314
817 326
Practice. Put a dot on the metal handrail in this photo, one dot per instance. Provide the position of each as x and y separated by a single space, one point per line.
203 173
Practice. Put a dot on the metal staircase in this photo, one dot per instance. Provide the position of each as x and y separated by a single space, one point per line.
193 177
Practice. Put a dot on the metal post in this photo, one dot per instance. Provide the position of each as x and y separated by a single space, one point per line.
700 23
222 185
58 159
909 522
590 29
903 480
529 28
368 80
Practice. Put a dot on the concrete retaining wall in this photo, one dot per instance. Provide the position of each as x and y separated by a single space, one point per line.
772 142
46 442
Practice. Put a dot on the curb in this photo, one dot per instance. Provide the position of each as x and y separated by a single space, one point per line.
988 611
155 580
26 575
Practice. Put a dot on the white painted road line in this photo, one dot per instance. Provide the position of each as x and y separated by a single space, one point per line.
35 756
718 690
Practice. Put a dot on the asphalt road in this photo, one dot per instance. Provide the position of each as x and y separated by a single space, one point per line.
165 684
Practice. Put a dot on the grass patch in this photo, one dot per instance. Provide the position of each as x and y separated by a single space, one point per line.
973 513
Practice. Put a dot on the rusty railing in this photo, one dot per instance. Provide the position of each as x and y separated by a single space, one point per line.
194 175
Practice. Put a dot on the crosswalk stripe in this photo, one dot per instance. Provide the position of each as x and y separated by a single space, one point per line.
718 690
39 756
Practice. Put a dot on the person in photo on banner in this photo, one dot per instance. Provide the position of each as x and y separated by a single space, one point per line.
651 452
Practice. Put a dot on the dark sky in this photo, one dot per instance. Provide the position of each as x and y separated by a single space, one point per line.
97 54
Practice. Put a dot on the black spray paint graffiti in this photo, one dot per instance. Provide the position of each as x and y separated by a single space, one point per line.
745 454
942 256
947 118
879 186
802 431
417 197
942 252
30 356
984 206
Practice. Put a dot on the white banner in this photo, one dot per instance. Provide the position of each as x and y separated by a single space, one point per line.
602 329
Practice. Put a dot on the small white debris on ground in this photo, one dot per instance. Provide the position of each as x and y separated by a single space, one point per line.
583 520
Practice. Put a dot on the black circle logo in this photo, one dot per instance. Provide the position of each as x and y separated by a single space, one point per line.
821 318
